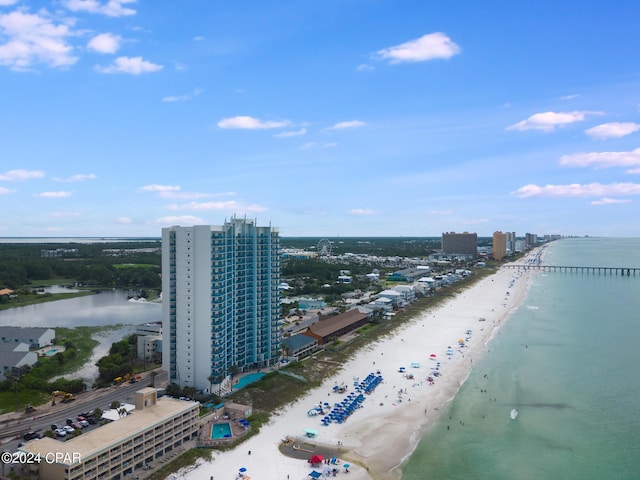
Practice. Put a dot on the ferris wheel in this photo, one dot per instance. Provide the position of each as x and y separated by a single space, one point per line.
324 247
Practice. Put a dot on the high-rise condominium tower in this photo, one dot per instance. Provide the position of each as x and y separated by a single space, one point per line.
220 301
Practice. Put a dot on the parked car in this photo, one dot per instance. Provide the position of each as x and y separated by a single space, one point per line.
55 427
92 420
30 435
61 432
69 429
76 425
83 423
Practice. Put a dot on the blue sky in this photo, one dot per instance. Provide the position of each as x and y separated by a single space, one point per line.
324 118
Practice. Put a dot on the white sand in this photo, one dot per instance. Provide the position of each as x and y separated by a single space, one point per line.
382 434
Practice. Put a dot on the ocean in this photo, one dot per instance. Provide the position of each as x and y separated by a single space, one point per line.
568 362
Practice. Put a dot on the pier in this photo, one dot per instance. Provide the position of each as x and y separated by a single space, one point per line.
623 271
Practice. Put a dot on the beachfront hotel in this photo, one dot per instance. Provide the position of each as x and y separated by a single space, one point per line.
120 449
221 301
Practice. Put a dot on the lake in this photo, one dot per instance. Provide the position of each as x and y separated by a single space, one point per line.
110 307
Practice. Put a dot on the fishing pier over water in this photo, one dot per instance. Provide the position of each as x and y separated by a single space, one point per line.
623 271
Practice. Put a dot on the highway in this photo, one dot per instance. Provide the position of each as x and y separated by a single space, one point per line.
12 430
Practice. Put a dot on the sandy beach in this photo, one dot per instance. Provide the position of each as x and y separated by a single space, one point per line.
379 436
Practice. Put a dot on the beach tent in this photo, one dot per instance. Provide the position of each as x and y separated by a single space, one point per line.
316 459
315 474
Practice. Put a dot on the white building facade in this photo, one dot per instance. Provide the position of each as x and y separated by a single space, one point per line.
221 301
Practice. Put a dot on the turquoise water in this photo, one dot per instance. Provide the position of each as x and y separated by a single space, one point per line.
51 352
567 361
247 379
220 430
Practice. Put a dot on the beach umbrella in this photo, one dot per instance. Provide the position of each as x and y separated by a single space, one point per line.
316 459
242 470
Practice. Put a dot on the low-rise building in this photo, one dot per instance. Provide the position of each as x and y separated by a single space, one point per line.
300 346
119 449
35 337
13 359
329 327
150 341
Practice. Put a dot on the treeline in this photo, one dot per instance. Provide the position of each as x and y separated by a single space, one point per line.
122 357
383 246
22 265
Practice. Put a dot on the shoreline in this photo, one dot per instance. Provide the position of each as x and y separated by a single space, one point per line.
378 439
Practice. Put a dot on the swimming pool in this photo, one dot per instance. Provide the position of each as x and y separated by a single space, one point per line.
51 352
247 379
220 430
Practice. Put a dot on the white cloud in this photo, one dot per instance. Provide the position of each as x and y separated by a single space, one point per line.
160 188
5 191
105 43
77 178
578 190
603 159
60 194
6 3
427 47
310 145
110 8
130 65
183 98
229 205
251 123
185 220
441 212
33 39
348 124
361 211
548 121
612 130
570 97
363 67
610 201
182 195
21 174
198 38
295 133
124 220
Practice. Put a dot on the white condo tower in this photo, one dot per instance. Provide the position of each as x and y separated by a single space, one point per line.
220 301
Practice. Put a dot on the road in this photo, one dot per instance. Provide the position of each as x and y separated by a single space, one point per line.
46 415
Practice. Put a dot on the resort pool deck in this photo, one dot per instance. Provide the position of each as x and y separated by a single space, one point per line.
247 379
220 430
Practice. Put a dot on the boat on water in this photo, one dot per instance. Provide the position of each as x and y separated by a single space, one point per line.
514 414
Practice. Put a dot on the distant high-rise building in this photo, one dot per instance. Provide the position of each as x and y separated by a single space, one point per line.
221 302
460 243
530 240
511 242
499 245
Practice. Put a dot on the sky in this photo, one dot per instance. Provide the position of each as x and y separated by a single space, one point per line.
320 117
